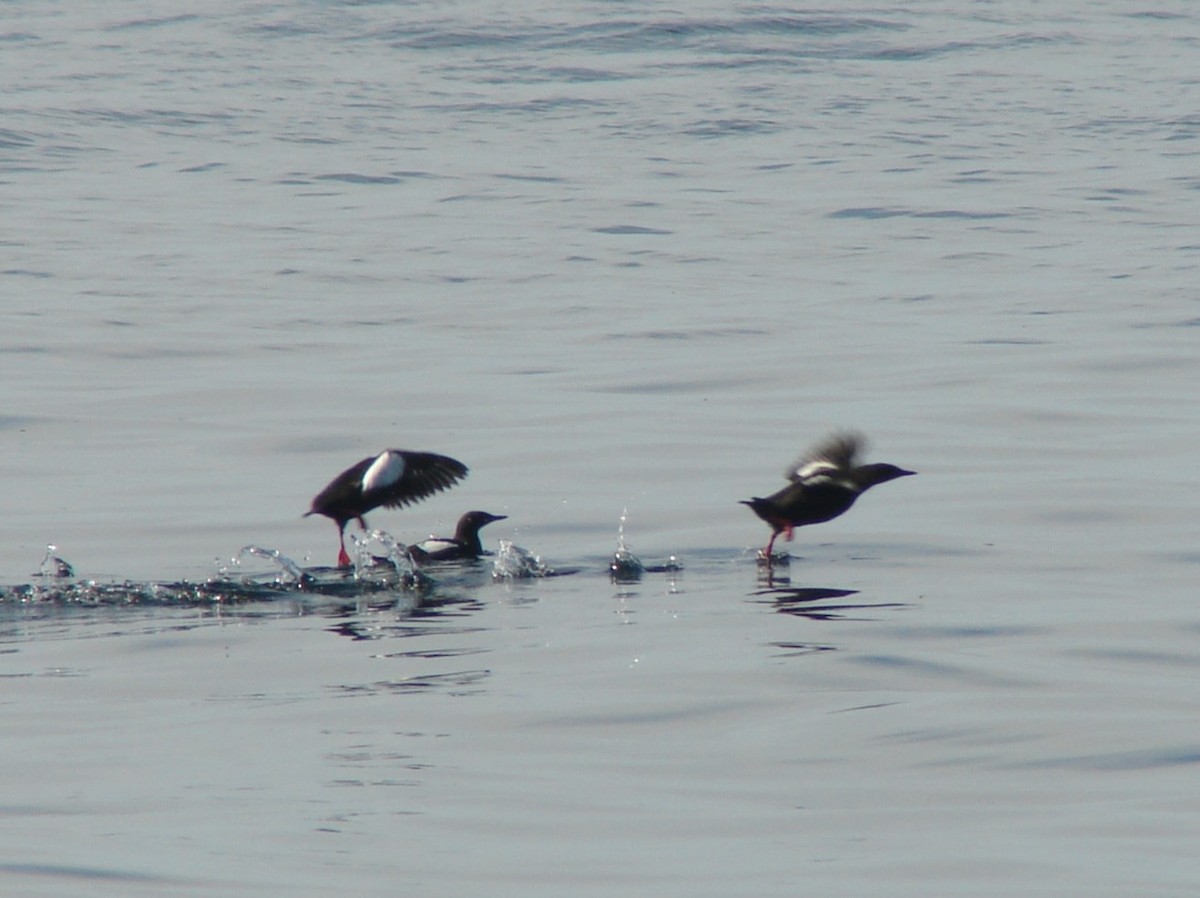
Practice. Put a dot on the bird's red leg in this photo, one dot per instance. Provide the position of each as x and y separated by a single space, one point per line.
789 533
770 545
343 558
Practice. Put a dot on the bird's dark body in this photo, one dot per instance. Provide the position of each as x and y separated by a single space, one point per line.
342 499
798 505
825 483
392 479
464 544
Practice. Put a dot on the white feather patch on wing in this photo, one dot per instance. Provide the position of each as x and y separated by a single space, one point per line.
384 471
817 468
437 544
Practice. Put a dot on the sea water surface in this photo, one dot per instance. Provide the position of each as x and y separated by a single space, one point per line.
626 261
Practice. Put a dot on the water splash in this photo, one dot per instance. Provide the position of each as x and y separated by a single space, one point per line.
90 593
395 554
53 567
626 567
515 563
56 583
52 576
294 575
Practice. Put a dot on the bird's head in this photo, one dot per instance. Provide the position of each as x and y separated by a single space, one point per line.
472 521
880 472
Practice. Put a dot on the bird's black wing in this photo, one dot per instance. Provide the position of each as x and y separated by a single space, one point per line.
425 473
837 453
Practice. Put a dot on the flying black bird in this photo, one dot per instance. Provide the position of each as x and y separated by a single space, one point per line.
394 478
824 484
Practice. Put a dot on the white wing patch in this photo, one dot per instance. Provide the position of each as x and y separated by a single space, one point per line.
817 468
385 471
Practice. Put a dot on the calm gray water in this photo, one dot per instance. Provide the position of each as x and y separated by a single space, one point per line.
618 258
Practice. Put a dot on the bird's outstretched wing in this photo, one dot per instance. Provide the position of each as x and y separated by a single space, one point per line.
400 477
836 454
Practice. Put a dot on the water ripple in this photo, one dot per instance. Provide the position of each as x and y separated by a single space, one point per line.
1138 759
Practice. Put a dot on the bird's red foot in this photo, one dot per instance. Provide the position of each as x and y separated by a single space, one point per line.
343 559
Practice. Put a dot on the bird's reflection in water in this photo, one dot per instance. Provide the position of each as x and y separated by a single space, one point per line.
796 649
814 602
426 617
811 602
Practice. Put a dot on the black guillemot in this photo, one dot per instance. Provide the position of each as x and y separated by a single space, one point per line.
393 479
824 484
464 544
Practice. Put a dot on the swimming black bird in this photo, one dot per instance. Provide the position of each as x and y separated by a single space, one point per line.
394 478
824 484
464 544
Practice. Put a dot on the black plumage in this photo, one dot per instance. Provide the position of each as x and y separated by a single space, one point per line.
392 479
464 544
824 483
